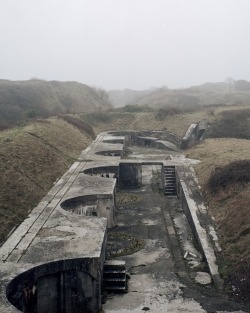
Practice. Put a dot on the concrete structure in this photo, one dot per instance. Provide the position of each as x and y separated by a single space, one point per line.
54 261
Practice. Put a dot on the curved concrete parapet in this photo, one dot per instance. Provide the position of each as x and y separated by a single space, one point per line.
115 140
98 205
42 288
102 171
110 153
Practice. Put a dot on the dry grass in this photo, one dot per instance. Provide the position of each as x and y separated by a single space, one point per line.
217 152
229 206
32 159
177 124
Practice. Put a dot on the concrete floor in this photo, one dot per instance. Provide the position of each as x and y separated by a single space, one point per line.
160 279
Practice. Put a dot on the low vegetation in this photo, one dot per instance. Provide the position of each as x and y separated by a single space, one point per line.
224 173
80 124
231 124
230 93
235 173
22 101
33 157
162 113
136 108
116 120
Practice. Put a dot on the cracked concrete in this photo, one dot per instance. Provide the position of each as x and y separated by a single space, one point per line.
155 284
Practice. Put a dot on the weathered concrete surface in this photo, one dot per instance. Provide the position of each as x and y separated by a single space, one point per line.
159 280
56 240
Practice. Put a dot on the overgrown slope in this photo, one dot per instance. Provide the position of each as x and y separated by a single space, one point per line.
177 124
224 175
32 159
235 93
22 100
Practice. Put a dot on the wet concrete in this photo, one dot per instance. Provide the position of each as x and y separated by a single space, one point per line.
161 280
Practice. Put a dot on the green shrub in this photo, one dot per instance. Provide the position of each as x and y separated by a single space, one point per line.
131 108
96 117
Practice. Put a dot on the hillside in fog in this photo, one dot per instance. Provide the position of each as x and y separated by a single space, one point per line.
221 93
20 100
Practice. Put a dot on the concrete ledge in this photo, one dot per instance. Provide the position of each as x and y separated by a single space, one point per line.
191 209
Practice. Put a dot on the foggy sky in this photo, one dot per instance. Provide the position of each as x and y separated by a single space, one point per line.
117 44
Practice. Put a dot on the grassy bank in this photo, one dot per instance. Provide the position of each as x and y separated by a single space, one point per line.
224 175
33 157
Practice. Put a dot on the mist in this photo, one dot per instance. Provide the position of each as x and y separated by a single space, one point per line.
119 44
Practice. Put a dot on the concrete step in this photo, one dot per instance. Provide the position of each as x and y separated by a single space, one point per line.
112 271
114 276
116 289
170 181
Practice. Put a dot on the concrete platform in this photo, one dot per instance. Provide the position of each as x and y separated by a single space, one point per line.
57 254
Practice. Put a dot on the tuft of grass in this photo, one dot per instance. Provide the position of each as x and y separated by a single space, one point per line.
237 172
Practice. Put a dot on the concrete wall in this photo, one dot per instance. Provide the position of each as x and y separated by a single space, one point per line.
130 175
194 134
172 138
191 206
71 286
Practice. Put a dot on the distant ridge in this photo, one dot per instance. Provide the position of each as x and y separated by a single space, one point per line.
231 92
121 98
38 98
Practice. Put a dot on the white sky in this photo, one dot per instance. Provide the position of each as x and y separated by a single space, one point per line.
125 43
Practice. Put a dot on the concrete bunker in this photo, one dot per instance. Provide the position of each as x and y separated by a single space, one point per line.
92 205
71 286
75 285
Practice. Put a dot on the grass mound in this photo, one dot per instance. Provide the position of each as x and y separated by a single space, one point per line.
237 172
224 173
233 123
32 159
80 124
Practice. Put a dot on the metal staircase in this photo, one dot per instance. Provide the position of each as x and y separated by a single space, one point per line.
169 181
114 276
